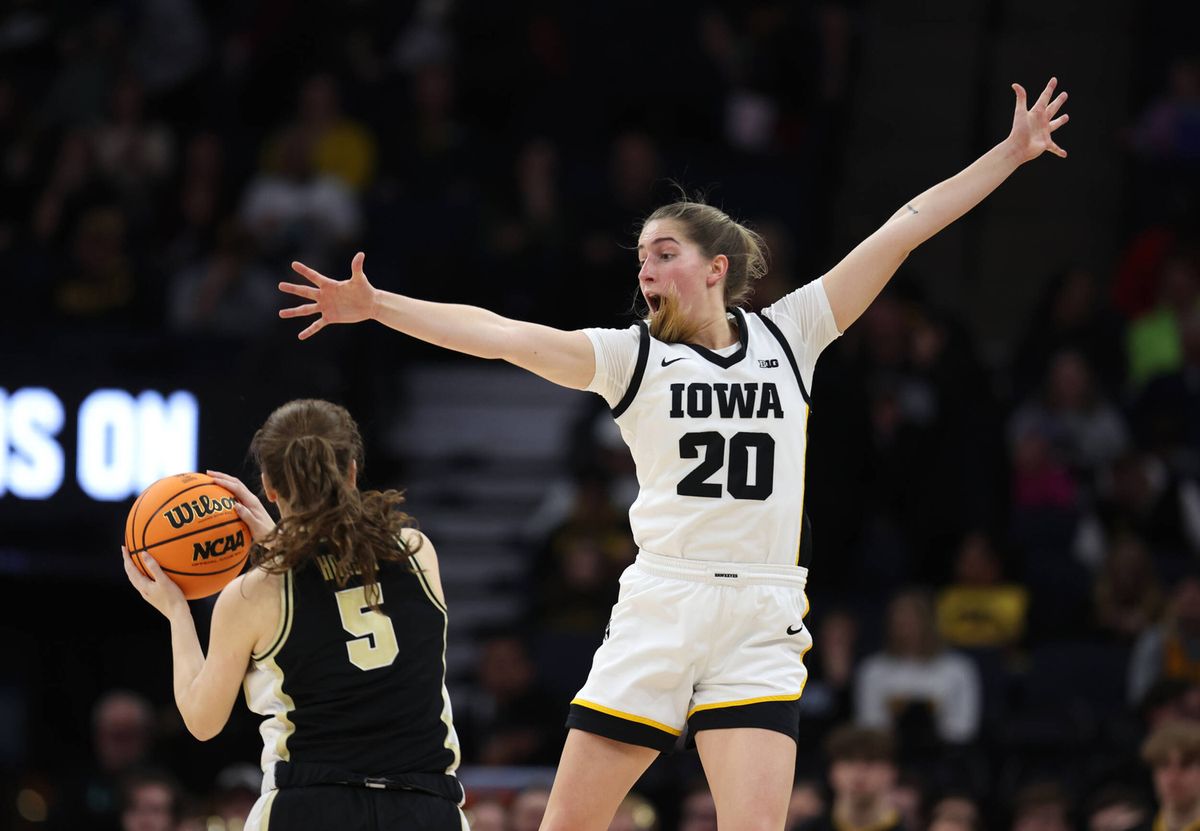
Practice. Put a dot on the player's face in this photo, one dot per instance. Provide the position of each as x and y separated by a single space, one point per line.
670 262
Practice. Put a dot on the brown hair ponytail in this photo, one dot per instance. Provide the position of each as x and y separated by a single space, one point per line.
306 449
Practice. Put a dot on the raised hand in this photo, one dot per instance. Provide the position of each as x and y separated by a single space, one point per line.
248 507
336 301
1032 128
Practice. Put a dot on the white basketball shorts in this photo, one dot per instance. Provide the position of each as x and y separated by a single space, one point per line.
703 644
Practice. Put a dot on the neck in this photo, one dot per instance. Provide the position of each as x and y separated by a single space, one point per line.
867 813
717 333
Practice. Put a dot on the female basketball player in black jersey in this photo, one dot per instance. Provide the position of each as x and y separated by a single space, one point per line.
337 634
713 404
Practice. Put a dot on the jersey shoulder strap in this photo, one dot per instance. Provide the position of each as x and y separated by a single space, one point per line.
787 350
639 370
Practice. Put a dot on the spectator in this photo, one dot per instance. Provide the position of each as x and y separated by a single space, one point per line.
915 682
581 560
488 815
150 801
528 809
1041 806
341 147
862 772
97 281
1139 494
1172 752
1171 649
954 813
296 213
828 698
226 294
1127 595
237 788
134 154
1169 130
1116 808
1071 317
512 720
1082 425
122 737
1168 412
980 608
1153 341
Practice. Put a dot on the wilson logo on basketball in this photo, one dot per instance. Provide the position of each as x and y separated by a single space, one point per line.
188 512
218 547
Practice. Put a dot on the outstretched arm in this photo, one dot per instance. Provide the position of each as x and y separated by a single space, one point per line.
566 358
853 283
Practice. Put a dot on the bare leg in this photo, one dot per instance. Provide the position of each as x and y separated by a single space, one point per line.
594 775
750 771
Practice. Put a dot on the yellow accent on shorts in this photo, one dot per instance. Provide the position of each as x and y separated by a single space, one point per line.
743 702
626 716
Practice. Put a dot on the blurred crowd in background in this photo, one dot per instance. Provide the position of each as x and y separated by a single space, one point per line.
1006 584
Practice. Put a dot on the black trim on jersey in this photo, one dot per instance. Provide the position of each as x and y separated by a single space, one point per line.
638 371
621 730
284 618
805 555
778 716
787 350
726 361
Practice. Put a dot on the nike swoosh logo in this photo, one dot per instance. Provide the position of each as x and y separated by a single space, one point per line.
792 631
665 362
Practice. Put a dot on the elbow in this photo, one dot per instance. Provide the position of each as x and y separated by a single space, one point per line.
203 729
203 732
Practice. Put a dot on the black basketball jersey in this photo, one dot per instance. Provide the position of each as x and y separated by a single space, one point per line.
353 695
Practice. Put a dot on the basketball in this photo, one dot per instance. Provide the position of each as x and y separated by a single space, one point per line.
188 525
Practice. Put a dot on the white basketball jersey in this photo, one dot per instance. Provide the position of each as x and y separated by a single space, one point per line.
719 440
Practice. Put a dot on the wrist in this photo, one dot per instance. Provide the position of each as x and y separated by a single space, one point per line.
179 613
375 306
1013 152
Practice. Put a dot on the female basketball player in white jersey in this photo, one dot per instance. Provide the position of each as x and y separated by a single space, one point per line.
338 636
713 403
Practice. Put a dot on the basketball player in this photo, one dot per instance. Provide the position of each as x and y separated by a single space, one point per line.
713 403
337 634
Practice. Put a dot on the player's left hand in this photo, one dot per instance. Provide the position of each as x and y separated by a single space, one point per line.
161 591
248 507
1032 128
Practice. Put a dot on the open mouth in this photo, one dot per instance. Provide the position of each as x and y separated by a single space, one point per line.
654 302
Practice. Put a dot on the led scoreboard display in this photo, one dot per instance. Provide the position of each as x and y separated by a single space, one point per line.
88 425
117 442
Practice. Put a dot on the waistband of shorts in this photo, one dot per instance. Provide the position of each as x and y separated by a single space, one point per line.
722 574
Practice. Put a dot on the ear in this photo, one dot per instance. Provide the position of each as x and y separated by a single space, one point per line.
271 493
353 474
717 269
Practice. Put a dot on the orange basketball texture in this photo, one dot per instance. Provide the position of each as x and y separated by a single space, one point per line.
187 523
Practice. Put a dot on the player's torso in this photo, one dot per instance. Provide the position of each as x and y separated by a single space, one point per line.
350 688
719 443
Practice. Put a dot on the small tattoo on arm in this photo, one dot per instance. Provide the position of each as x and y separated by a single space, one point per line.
911 208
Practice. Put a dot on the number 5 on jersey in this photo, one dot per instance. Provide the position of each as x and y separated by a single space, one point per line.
374 645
